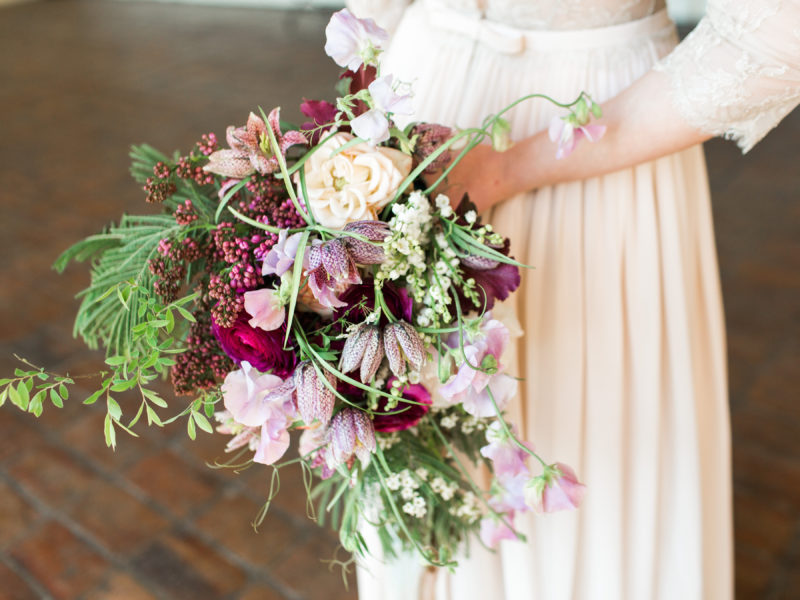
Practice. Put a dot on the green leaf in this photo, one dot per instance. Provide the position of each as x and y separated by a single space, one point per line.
208 408
229 194
3 396
63 391
170 321
202 422
122 386
186 314
297 274
94 397
115 361
5 381
158 323
16 399
152 417
110 434
190 428
113 409
154 398
56 399
24 395
35 405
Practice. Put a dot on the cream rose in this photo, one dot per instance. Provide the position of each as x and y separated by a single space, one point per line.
354 184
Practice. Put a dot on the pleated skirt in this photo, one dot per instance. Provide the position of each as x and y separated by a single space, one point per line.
623 354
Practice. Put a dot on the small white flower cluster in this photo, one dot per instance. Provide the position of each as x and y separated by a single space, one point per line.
405 246
469 509
471 423
441 278
408 485
444 489
387 440
449 421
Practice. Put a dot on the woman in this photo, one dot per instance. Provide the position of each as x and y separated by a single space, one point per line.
623 356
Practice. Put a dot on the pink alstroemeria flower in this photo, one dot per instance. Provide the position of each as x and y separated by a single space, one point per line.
373 125
474 388
556 489
351 41
493 531
250 148
261 400
568 135
280 257
265 307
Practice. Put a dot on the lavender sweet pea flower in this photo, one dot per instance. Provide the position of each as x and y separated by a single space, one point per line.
351 41
373 125
281 256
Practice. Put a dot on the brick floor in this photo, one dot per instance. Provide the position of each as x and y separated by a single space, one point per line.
81 81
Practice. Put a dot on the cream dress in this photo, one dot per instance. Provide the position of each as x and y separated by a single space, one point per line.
623 356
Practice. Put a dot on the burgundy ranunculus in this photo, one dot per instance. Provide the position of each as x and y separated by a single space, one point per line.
321 112
360 300
404 415
262 349
494 280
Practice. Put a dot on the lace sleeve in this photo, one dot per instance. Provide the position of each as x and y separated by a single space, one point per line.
738 73
386 13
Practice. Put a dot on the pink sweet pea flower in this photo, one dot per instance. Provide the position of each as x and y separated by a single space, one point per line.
351 41
556 489
261 400
493 531
265 307
508 459
568 135
475 388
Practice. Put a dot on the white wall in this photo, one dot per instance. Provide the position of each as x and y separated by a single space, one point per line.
682 11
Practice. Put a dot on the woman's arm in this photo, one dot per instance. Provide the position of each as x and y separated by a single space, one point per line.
641 124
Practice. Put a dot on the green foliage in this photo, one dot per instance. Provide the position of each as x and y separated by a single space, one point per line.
108 312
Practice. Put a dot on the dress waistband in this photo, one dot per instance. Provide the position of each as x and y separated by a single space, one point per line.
511 40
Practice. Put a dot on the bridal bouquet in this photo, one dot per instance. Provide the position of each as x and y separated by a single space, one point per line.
309 286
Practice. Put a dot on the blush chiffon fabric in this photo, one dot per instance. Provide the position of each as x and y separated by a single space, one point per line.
623 353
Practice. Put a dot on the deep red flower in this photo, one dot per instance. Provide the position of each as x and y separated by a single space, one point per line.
405 414
360 302
262 349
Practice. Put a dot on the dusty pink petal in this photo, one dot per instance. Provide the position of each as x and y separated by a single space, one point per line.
494 530
274 441
265 308
565 493
245 395
593 132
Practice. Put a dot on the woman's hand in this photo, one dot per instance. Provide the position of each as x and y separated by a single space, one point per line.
481 174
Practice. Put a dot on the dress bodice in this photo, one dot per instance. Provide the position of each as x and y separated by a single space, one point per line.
554 14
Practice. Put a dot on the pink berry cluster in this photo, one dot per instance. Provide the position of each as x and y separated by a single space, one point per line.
185 213
169 267
159 187
203 363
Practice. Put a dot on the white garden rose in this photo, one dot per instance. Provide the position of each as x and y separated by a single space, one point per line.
354 184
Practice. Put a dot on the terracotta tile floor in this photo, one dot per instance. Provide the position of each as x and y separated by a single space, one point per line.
79 81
